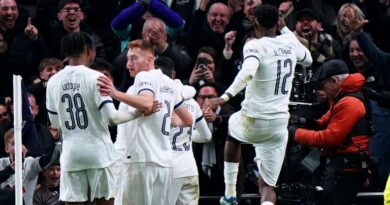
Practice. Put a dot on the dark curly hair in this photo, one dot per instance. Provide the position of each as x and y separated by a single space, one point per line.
75 43
267 15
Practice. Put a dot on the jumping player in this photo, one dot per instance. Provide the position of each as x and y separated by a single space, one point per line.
267 73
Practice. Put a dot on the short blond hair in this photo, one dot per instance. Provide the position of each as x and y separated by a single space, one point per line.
141 44
8 136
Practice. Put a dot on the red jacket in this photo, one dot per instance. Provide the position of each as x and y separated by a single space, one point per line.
338 122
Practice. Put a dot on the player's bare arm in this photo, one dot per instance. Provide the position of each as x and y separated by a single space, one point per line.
185 117
156 107
213 103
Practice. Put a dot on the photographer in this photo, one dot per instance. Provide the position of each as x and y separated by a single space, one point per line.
205 67
342 133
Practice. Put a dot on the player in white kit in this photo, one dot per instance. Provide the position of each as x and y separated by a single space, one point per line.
267 74
185 184
76 106
148 173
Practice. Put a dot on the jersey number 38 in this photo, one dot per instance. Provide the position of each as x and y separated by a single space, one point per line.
76 110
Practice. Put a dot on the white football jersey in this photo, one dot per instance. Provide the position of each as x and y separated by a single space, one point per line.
150 142
269 85
73 95
125 130
183 161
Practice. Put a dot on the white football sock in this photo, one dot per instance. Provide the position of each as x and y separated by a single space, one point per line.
230 173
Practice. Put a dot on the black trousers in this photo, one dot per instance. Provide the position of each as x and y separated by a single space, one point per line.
342 179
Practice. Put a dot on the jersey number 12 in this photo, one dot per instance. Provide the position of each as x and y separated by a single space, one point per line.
286 64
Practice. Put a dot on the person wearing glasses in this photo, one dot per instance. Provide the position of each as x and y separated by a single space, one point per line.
342 132
21 45
209 25
71 14
209 156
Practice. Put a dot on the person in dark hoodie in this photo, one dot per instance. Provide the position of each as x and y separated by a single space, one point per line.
374 63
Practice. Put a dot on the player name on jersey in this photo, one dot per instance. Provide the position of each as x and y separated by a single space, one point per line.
71 86
166 89
282 51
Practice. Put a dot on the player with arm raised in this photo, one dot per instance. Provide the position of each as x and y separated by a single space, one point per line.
148 171
76 106
267 74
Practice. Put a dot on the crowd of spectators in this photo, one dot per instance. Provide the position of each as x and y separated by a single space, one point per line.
204 41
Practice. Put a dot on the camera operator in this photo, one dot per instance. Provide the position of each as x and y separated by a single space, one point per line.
342 132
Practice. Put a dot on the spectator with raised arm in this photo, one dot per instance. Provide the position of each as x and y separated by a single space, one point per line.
374 63
209 25
23 47
128 18
263 118
31 165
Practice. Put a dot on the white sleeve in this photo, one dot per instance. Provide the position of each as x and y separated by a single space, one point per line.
54 120
122 129
303 54
114 117
121 137
51 110
120 143
144 81
249 68
201 133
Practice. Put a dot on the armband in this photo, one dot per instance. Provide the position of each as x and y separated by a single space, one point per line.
226 96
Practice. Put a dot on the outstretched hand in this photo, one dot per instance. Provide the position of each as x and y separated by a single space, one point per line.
285 8
354 23
213 103
106 87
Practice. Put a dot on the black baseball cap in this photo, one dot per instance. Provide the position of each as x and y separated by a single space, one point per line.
328 69
307 12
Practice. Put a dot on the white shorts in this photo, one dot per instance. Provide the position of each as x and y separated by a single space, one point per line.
119 181
89 184
184 191
145 183
269 137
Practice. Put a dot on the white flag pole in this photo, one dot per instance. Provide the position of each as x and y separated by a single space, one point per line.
17 102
